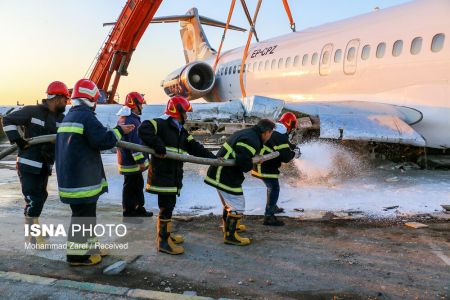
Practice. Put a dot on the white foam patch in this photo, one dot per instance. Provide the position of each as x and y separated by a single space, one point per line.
331 179
322 161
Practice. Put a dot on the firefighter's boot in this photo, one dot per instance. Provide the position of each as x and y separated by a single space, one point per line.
240 227
90 260
272 221
176 238
231 235
164 242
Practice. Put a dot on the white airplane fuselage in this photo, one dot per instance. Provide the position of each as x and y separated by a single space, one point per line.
418 78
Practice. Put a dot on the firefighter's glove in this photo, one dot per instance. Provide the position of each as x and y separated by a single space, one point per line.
297 152
22 144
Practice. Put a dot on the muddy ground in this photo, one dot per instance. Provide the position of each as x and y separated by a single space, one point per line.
317 258
304 259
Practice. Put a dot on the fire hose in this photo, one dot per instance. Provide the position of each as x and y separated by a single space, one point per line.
135 147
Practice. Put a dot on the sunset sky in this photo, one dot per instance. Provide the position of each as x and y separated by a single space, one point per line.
46 40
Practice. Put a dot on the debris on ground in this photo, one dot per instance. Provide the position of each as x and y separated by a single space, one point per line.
115 268
390 207
183 218
392 179
407 166
415 225
446 207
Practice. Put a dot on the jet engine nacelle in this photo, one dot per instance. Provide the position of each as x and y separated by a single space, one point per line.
192 81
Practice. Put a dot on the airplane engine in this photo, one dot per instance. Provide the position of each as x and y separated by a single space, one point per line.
192 81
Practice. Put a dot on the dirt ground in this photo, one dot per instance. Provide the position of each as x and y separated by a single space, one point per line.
315 259
312 259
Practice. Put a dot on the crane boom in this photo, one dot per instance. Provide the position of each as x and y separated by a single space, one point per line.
115 55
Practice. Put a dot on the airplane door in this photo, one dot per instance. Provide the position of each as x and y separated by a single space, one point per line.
325 60
351 57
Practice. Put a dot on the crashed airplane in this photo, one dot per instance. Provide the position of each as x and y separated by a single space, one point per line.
382 77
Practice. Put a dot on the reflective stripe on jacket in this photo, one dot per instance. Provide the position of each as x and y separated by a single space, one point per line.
242 146
277 142
79 167
33 120
162 134
128 160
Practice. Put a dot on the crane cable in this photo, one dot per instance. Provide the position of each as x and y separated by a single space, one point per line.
249 18
247 46
230 14
289 14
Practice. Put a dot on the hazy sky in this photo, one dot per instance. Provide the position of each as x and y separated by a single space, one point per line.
46 40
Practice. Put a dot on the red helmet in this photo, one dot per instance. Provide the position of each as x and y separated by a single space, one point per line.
57 88
289 120
133 99
177 105
85 88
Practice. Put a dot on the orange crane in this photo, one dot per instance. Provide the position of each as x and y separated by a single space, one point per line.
116 52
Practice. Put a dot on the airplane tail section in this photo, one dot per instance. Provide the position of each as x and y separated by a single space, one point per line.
195 44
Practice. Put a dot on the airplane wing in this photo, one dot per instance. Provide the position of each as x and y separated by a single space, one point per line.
364 121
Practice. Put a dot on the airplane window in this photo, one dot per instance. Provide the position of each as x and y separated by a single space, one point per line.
381 49
296 60
288 62
260 66
351 54
338 56
325 57
244 68
397 48
274 63
305 59
365 53
238 69
314 58
438 42
416 45
266 65
234 69
226 71
280 63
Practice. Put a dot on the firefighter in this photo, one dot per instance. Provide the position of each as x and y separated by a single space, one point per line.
80 173
241 146
269 171
132 163
34 163
167 134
